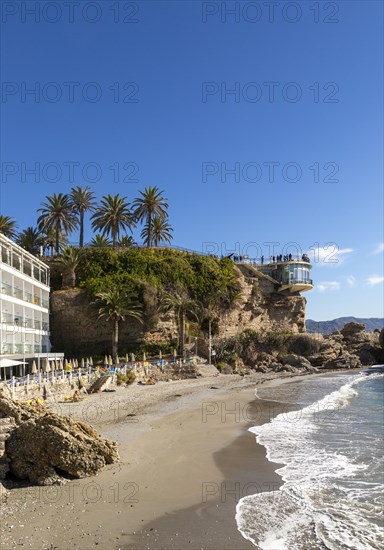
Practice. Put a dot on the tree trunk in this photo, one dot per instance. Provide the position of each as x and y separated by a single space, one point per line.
69 278
81 243
114 238
149 229
57 238
115 340
182 334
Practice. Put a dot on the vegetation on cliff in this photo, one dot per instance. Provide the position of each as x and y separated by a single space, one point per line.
190 288
210 281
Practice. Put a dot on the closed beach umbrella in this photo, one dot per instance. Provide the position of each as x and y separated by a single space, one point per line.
110 361
82 363
76 363
160 355
91 361
117 360
133 358
126 358
174 353
144 356
47 368
54 367
61 364
106 360
34 368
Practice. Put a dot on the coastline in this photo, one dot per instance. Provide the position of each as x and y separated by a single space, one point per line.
175 487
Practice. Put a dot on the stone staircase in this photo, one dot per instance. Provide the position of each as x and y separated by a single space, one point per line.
5 427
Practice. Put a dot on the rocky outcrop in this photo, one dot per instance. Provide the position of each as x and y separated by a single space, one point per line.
76 330
263 309
43 445
351 347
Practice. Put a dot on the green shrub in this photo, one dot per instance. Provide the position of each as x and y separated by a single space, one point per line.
120 379
303 344
125 379
130 377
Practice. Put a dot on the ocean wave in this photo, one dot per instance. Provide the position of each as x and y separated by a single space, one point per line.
322 503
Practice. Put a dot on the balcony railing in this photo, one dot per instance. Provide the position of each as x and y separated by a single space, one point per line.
35 324
6 289
25 266
7 319
9 349
300 281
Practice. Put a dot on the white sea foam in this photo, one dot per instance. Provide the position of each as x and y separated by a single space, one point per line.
322 504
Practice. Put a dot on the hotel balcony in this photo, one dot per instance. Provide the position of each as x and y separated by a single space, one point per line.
18 259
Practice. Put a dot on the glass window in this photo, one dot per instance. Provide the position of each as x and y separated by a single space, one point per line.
27 268
16 261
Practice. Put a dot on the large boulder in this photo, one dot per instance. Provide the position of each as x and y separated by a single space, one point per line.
43 445
345 361
296 361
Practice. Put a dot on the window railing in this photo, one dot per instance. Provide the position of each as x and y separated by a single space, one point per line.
7 318
299 280
36 324
7 348
18 293
6 289
28 297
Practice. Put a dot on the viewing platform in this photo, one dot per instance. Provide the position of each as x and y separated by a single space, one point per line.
289 276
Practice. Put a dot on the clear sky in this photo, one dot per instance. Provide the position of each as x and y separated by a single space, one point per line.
261 121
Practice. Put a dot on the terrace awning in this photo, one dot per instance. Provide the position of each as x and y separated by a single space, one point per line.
10 363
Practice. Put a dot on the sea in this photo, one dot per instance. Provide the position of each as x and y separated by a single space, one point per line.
329 454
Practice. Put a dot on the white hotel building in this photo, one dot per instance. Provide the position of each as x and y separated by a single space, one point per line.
24 306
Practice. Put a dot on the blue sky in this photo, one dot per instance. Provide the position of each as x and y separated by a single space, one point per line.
260 126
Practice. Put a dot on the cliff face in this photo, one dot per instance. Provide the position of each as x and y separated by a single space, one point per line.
263 309
76 330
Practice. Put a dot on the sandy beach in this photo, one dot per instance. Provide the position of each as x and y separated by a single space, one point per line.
186 459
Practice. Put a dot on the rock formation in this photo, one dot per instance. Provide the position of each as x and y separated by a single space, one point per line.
351 347
74 330
42 445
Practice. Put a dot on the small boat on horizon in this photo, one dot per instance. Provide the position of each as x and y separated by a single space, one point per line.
374 369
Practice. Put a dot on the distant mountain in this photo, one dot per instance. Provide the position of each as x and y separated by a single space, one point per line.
327 327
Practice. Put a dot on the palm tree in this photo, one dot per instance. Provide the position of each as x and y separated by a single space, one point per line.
181 304
161 231
57 214
116 304
112 216
69 260
81 200
126 241
31 239
50 239
8 227
99 241
150 204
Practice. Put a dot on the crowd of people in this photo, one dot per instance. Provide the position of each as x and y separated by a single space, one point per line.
272 259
